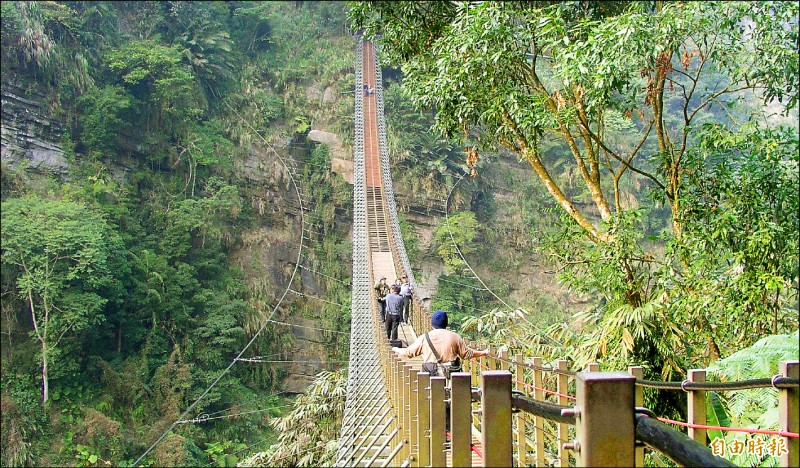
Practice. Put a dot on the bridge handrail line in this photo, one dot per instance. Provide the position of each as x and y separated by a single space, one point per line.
544 409
778 381
792 435
675 444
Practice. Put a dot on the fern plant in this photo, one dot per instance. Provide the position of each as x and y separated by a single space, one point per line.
753 408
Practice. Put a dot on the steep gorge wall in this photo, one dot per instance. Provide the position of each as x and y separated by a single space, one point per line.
32 144
31 136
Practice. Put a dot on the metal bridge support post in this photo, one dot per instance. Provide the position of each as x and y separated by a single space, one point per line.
638 398
424 418
400 409
438 456
407 411
604 419
788 403
696 406
414 420
538 421
496 424
522 441
460 418
563 431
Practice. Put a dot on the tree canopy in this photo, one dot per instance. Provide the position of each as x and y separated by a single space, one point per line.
647 104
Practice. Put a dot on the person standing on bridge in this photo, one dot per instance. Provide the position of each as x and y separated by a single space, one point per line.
448 345
406 290
381 290
394 311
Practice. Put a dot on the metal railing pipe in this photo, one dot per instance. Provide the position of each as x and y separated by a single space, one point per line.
542 409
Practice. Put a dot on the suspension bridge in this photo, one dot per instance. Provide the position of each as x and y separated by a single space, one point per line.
504 410
520 410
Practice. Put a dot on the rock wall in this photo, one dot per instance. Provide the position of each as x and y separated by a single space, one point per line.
31 141
31 136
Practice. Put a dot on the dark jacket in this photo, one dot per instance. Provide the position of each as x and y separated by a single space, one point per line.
394 304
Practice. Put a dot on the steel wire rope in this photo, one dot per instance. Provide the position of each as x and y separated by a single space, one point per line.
263 326
777 381
201 419
548 431
261 399
462 284
300 294
291 361
311 328
788 434
323 274
452 239
464 306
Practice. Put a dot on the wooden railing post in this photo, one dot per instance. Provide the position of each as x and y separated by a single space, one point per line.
496 424
538 421
414 420
438 456
593 367
563 430
474 368
638 398
503 360
696 406
460 418
788 403
522 441
604 419
474 364
424 418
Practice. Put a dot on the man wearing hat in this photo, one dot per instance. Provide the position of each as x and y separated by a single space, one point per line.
381 291
406 290
448 345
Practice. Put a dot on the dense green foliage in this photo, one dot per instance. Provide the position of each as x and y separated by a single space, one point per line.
124 290
308 433
649 126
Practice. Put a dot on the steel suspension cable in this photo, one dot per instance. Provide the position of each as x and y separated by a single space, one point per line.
263 326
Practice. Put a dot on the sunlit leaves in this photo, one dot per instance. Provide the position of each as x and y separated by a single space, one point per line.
456 239
57 253
308 433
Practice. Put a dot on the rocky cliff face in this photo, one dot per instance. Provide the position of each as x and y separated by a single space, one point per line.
31 142
31 136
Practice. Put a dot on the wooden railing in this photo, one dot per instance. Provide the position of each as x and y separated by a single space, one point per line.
544 415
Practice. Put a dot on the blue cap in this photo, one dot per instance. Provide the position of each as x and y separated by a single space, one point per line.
439 319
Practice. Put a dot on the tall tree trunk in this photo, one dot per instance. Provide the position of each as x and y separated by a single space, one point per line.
45 381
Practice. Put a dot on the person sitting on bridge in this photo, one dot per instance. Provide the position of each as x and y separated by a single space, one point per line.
394 311
448 345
